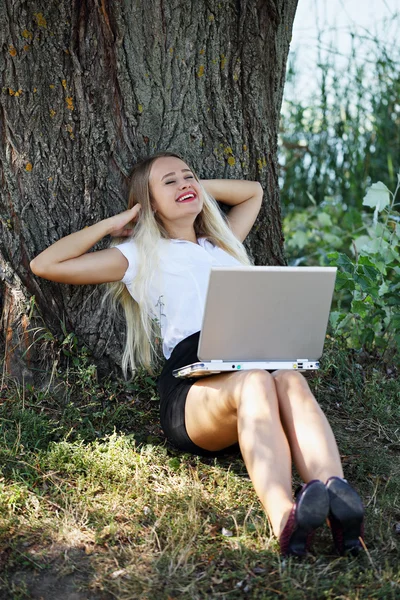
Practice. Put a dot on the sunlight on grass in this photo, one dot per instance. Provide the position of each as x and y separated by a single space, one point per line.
129 517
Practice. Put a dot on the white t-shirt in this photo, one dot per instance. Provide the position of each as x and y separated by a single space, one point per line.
178 294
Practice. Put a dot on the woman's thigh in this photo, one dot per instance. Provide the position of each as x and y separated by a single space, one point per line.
211 407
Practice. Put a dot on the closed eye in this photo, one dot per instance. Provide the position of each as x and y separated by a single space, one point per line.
173 180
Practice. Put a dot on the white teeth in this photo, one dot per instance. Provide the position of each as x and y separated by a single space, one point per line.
185 197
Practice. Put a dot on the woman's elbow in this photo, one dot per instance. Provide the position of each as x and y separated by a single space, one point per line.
32 266
259 187
36 267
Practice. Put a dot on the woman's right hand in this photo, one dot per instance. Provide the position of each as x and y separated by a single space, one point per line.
68 259
117 225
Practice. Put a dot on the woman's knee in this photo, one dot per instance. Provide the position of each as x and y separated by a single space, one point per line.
257 377
293 386
256 385
288 379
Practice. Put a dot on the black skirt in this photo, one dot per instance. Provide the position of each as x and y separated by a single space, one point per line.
173 392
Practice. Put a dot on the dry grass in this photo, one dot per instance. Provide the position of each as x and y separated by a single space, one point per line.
94 504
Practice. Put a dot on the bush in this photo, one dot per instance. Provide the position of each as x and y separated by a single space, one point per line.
365 248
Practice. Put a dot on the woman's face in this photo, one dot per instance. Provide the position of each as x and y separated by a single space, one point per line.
171 180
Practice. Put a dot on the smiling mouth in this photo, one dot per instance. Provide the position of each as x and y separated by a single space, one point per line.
186 197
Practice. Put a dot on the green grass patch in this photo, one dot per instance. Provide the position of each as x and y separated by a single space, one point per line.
94 501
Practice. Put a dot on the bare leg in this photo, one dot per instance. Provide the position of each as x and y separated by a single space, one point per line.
310 436
244 406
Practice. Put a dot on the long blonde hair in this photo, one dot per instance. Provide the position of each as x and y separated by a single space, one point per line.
142 347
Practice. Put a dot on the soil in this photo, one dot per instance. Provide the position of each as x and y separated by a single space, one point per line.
66 575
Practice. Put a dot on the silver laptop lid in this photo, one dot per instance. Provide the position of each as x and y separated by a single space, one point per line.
266 313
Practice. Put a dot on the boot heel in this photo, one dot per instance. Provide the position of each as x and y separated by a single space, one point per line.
346 516
309 512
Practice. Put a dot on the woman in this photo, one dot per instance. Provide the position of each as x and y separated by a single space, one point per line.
160 277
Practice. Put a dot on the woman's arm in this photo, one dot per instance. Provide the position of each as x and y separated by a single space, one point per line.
245 197
68 260
232 191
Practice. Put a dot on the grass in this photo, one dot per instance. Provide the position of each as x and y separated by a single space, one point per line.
95 505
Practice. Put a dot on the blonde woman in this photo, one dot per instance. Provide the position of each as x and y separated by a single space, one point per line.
164 247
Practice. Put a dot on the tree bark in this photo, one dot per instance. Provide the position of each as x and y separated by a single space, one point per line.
87 88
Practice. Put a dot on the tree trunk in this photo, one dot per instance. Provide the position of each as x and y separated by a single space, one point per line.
91 86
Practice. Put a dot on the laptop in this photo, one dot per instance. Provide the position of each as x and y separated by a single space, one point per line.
263 318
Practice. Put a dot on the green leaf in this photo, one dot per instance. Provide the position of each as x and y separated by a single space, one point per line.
390 254
360 308
371 272
346 323
333 256
361 243
394 286
299 239
343 280
378 196
383 289
363 281
373 260
351 219
373 246
365 284
380 342
367 337
395 322
174 463
377 231
366 260
324 219
333 240
393 300
394 241
353 341
335 317
341 260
